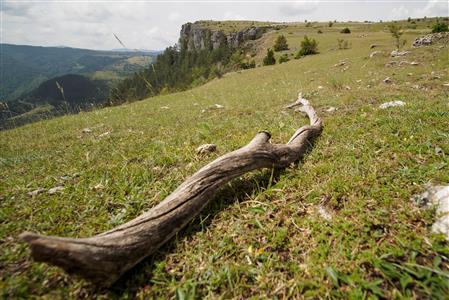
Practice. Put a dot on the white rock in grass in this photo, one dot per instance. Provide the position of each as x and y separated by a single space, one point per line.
439 151
374 54
324 213
391 63
98 187
104 134
35 192
387 80
54 190
86 130
391 104
340 63
436 196
331 109
165 107
395 53
212 107
157 169
206 148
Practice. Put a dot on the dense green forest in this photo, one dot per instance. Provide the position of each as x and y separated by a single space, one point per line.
177 69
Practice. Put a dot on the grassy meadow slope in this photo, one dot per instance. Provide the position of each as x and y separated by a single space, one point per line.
260 236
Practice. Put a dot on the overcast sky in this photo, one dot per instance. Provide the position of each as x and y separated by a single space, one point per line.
156 24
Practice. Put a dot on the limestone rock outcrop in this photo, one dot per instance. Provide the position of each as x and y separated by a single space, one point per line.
196 37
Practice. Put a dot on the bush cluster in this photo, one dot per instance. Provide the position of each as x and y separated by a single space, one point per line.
280 44
309 46
343 44
269 58
284 58
440 27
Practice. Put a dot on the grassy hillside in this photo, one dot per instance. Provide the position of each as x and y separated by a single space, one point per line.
230 26
261 236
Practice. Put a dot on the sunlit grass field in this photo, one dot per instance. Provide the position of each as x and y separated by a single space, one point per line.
263 235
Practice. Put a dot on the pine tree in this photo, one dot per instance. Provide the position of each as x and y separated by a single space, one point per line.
280 44
269 59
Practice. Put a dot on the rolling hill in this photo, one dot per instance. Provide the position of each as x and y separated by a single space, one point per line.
26 70
28 66
340 223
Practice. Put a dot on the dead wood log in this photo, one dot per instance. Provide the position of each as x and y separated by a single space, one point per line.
103 258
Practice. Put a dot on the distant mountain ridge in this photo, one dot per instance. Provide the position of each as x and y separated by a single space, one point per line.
156 52
67 94
30 76
25 67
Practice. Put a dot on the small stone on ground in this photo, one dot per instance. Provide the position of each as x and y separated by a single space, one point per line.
396 53
387 80
206 148
436 196
391 104
54 190
35 192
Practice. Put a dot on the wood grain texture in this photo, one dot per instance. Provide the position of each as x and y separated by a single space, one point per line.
103 258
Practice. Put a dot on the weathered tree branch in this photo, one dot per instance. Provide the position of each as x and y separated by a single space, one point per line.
105 257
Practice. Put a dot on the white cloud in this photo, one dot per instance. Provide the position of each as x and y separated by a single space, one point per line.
298 9
231 15
157 25
400 12
174 16
436 8
153 30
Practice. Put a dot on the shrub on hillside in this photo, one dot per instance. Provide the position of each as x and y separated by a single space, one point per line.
269 58
319 31
343 44
284 58
280 44
396 33
440 27
217 71
345 30
236 58
330 24
309 46
248 65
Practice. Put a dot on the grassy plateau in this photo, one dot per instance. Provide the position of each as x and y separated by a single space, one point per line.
339 224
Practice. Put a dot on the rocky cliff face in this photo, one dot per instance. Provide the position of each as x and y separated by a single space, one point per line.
194 37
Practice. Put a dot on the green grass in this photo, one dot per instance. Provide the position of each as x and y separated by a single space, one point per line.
230 26
262 236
